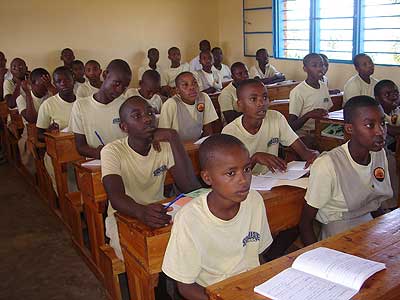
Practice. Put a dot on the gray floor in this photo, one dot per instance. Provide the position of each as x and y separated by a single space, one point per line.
37 259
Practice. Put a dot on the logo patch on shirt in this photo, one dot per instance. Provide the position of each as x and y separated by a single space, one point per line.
273 141
379 174
116 121
252 236
326 100
200 107
160 170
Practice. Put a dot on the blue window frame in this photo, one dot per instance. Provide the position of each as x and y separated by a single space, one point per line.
340 29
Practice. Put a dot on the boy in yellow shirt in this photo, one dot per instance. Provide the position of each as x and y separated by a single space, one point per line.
93 84
170 74
263 70
209 81
67 56
12 87
95 119
234 232
78 69
134 171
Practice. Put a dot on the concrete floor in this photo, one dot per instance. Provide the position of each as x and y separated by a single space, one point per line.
37 259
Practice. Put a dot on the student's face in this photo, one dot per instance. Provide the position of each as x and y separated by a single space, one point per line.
389 98
217 55
139 119
18 69
78 70
64 82
229 174
315 68
115 84
240 74
262 57
3 60
188 88
92 71
206 60
67 56
253 101
150 87
365 66
368 128
204 46
153 56
38 88
175 56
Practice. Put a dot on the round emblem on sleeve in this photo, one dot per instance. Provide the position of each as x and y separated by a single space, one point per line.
200 107
379 174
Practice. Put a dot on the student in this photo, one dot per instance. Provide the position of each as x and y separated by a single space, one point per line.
264 71
78 69
209 81
54 114
351 181
262 130
309 100
93 84
36 91
153 55
361 83
5 74
387 94
12 87
219 66
228 98
133 172
325 70
234 232
204 46
149 86
174 55
190 112
95 119
67 56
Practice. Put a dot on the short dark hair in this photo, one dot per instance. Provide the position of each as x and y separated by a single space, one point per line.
354 103
178 78
119 65
357 58
93 62
151 75
216 144
324 57
152 50
258 52
63 70
215 49
37 74
237 65
244 83
172 49
308 57
381 84
77 62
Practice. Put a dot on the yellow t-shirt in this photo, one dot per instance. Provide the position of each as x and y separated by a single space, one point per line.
324 191
170 74
85 90
225 72
355 86
89 115
304 98
274 130
9 87
205 249
270 71
143 176
54 109
168 116
21 103
155 101
228 98
207 80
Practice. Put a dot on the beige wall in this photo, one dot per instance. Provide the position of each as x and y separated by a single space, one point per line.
36 30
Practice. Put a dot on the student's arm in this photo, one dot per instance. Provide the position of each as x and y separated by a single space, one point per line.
231 115
29 113
278 77
393 130
84 149
53 127
271 161
192 291
305 153
296 123
153 215
12 98
3 72
306 225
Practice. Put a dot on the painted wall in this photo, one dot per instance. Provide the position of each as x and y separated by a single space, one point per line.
37 30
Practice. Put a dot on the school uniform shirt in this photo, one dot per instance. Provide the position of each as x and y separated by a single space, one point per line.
21 103
144 68
77 85
225 72
54 109
228 98
89 116
217 249
8 75
355 86
274 130
270 71
324 190
171 73
195 64
86 90
155 101
305 98
207 80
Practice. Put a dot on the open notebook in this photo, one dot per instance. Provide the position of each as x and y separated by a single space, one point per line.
184 200
320 274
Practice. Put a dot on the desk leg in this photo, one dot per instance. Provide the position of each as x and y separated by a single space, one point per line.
60 172
95 225
318 129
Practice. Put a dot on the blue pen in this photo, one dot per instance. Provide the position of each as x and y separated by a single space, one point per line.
99 137
176 199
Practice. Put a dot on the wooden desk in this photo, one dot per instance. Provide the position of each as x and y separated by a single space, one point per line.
144 247
337 101
280 105
378 240
325 143
61 148
281 90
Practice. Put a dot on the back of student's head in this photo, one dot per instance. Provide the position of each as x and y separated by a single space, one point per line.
217 144
356 58
382 84
246 83
37 73
354 104
151 75
120 66
307 59
63 70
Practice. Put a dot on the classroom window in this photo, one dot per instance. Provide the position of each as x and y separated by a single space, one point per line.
340 29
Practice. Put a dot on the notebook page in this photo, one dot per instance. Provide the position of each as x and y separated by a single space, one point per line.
292 284
336 266
295 170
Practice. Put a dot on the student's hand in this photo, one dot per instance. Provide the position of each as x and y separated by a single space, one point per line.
27 74
46 80
17 81
311 156
53 127
163 135
317 113
155 215
273 163
3 72
26 86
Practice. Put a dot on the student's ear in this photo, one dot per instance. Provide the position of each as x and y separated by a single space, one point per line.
123 127
348 128
240 104
206 177
105 73
304 69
